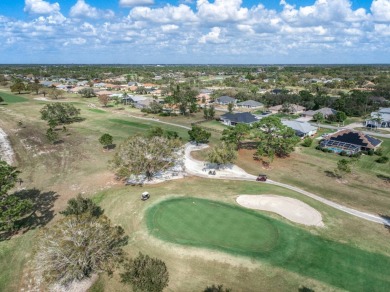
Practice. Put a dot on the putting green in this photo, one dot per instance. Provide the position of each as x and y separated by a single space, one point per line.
212 224
229 228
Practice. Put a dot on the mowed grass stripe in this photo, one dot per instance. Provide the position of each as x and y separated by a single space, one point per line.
232 229
11 98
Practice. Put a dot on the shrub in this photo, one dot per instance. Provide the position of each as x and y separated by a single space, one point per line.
307 142
379 152
343 153
382 159
370 152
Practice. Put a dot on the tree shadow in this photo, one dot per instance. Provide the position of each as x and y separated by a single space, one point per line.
41 214
330 173
385 178
305 289
111 146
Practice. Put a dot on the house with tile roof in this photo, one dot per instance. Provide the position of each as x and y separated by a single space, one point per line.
225 100
325 111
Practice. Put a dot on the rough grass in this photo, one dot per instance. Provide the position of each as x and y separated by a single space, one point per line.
211 224
11 98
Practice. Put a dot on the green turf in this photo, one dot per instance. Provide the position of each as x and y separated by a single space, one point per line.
11 98
98 111
210 224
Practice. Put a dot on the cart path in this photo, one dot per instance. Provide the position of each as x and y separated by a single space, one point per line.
233 172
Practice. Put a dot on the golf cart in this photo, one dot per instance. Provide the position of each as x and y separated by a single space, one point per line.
145 196
261 177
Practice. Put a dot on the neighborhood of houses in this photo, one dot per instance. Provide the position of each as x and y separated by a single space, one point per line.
142 95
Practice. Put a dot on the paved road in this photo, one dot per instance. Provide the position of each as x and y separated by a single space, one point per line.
233 172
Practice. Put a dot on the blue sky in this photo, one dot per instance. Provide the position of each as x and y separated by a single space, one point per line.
195 31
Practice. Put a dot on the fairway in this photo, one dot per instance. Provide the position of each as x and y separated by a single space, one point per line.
11 98
215 225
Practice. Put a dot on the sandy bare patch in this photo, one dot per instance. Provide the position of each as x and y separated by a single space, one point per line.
6 152
289 208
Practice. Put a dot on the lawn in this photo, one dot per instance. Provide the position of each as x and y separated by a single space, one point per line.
211 224
11 98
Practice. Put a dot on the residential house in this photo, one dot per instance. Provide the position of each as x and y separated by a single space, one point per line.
231 119
350 141
379 119
325 111
250 104
225 100
302 129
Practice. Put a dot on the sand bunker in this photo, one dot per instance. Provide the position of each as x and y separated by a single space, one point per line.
291 209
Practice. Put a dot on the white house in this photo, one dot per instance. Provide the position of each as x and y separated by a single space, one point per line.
302 129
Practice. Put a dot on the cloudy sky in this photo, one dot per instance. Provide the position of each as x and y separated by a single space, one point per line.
195 31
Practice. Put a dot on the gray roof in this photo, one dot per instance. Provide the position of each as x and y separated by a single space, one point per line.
251 103
300 127
226 99
245 118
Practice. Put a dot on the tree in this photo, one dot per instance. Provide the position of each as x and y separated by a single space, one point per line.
87 92
35 87
77 247
104 99
52 135
217 288
341 116
155 132
146 274
236 135
230 107
59 113
1 99
185 98
140 155
106 140
307 142
211 112
319 118
274 139
18 86
80 206
343 167
223 153
12 207
199 135
56 93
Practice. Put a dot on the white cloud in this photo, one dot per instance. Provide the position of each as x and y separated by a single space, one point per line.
82 9
40 7
381 10
181 13
169 27
75 41
221 10
322 11
133 3
213 37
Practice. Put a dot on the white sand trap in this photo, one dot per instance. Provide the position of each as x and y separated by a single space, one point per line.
289 208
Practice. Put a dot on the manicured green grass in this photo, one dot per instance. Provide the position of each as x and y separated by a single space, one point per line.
212 224
98 111
216 225
11 98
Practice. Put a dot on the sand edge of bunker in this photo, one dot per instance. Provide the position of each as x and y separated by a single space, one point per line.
289 208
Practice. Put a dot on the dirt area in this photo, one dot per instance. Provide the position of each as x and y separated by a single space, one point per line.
289 208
